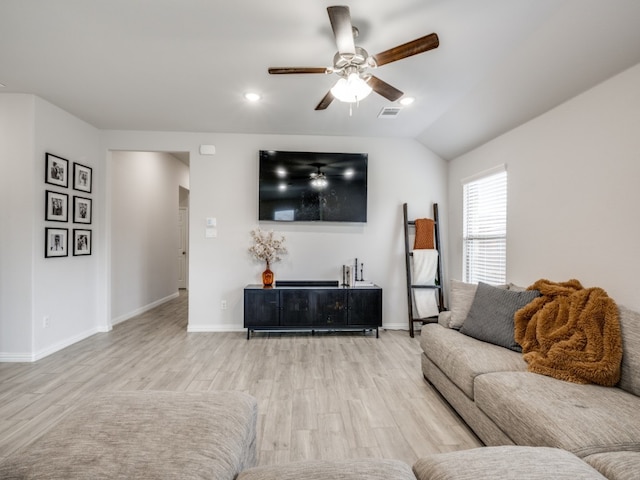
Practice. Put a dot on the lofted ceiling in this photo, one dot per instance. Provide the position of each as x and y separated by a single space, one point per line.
185 65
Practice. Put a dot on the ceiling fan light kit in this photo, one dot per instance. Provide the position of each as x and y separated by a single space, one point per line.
351 62
351 89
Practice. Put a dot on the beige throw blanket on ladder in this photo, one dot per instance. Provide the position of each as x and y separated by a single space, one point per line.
425 266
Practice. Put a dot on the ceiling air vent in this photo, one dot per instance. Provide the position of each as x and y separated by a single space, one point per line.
389 112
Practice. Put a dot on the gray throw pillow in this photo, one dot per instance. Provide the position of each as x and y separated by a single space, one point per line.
461 296
490 317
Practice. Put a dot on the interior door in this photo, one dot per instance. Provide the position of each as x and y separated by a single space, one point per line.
183 247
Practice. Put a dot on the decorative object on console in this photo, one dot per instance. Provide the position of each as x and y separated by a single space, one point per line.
268 248
267 277
347 276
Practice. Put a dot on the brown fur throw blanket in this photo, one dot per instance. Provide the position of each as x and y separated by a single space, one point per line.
571 333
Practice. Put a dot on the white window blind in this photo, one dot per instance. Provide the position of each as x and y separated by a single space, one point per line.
485 228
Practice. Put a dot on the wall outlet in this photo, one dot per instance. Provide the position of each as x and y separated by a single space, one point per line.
223 304
45 321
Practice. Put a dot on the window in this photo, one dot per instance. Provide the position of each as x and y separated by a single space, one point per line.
485 227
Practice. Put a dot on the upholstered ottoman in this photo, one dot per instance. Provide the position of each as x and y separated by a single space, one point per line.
145 435
510 462
365 469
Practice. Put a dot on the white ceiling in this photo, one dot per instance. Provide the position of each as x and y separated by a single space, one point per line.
184 65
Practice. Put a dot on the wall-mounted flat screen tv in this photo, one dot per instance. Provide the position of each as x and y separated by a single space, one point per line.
312 187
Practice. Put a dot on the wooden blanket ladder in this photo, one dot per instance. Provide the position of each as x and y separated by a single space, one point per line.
409 228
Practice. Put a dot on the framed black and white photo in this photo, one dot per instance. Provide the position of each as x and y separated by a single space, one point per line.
81 210
56 241
81 242
56 170
82 177
57 206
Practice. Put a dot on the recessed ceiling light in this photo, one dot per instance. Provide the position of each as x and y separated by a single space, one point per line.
252 97
407 101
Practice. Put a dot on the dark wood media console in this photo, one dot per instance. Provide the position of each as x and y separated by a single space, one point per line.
315 306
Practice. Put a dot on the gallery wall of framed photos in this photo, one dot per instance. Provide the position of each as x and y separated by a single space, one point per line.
68 187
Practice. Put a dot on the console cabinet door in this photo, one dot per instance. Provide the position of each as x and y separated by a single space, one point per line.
297 308
331 308
261 308
313 308
365 307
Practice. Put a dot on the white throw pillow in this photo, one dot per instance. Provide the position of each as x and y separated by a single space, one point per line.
460 299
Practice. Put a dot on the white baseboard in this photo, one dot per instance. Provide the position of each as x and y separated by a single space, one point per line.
64 344
16 357
396 326
138 311
45 352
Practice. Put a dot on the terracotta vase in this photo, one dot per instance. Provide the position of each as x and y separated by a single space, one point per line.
267 277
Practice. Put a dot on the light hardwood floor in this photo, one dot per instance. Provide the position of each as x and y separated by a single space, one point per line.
328 396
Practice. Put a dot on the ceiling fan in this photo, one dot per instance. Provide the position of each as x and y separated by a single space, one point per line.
352 62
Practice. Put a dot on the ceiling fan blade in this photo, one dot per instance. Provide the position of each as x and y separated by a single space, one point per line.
340 19
383 88
326 101
287 70
408 49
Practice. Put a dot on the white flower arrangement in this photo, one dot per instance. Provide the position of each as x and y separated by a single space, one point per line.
266 246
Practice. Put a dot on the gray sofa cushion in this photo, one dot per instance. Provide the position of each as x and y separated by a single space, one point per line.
490 317
463 358
490 463
616 465
365 469
482 426
145 435
542 411
630 368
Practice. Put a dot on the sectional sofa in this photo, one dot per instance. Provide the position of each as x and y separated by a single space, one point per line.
490 388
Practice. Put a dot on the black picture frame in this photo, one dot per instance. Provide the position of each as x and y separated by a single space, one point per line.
81 242
81 210
82 177
56 206
56 170
56 242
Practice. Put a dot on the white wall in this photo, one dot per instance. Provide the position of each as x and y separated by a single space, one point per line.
16 243
144 241
573 193
64 289
225 186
